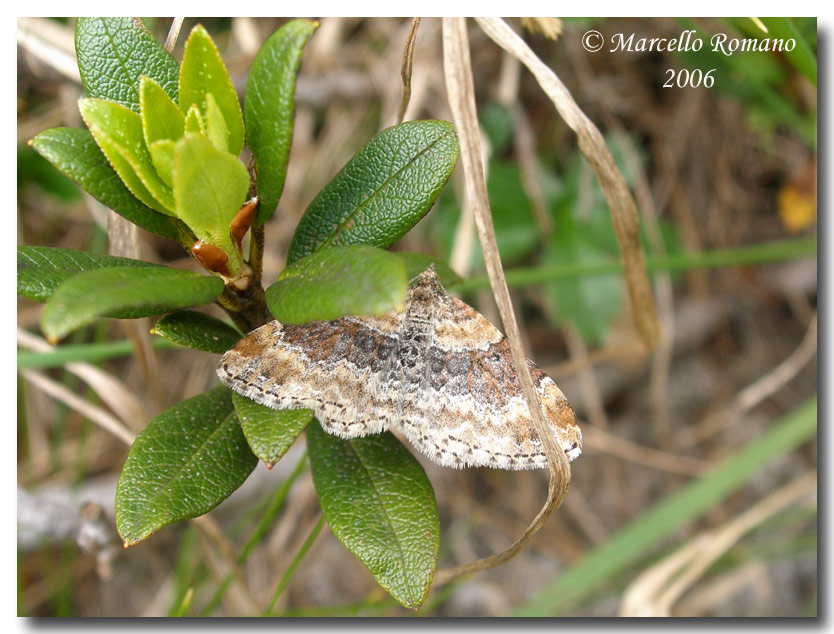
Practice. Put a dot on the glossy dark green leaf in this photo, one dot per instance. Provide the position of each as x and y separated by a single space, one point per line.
269 432
379 503
40 270
269 106
339 281
197 330
416 263
184 463
113 53
383 191
125 293
75 153
203 72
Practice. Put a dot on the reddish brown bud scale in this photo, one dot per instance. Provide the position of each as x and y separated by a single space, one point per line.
211 258
243 221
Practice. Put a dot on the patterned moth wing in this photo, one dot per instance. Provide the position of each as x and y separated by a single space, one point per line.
438 373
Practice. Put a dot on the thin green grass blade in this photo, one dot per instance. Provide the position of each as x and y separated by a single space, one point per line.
768 252
610 559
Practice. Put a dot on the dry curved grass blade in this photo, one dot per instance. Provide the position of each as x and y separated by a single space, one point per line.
408 61
592 146
110 390
762 388
96 414
655 591
461 92
599 440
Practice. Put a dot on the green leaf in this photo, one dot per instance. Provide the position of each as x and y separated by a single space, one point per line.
118 132
40 270
416 263
194 121
114 53
340 281
203 72
269 432
34 169
379 503
75 153
161 118
216 129
197 330
383 190
125 293
184 463
162 156
269 107
209 188
589 303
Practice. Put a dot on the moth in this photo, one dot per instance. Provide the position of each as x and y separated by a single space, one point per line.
437 372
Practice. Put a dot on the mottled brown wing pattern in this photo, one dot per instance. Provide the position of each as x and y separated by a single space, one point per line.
438 373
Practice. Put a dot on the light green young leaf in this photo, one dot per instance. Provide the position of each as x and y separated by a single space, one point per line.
203 72
216 129
184 463
339 281
162 156
118 132
161 117
269 432
209 188
194 121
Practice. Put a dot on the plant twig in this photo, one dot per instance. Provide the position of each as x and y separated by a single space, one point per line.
256 252
408 59
173 34
460 88
592 146
247 308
